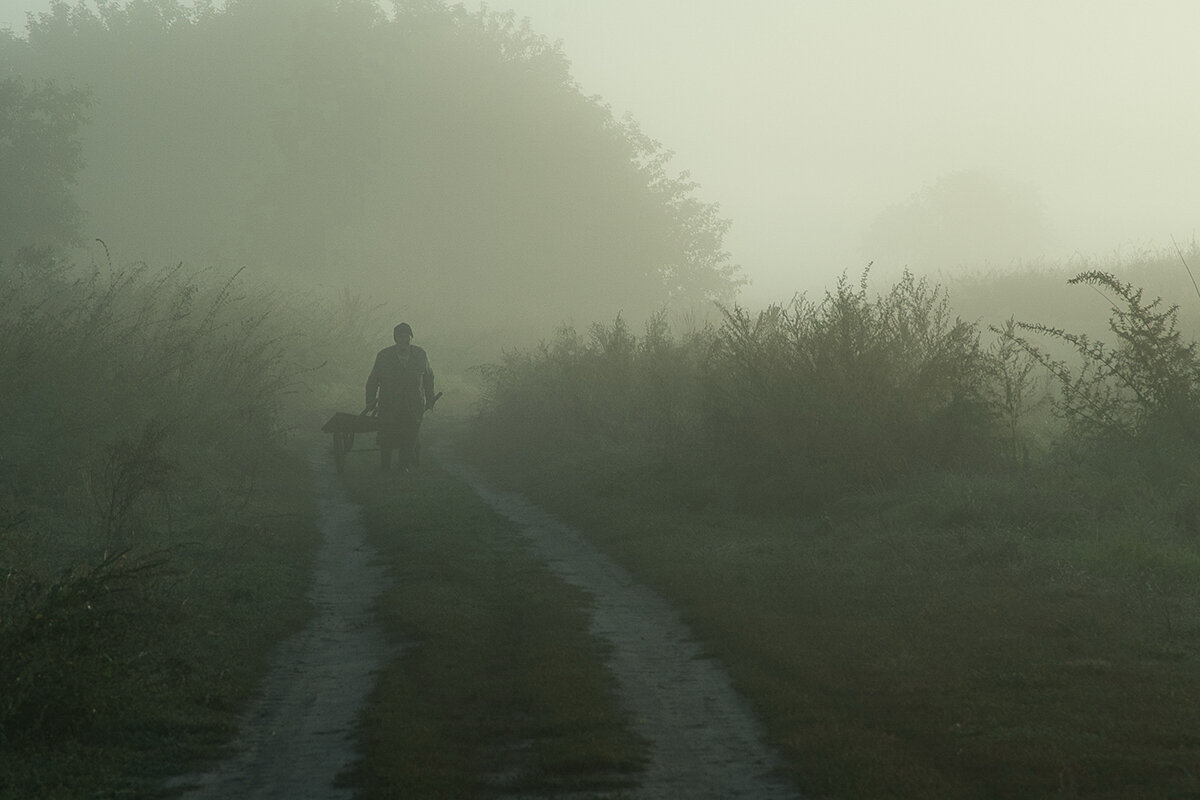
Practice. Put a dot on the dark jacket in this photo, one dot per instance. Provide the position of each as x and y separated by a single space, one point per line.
403 387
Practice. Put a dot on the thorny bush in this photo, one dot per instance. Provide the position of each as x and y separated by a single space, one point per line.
1132 408
787 407
811 400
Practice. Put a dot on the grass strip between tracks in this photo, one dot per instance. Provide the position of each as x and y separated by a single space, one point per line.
499 688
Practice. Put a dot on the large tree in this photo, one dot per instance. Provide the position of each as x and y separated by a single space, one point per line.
963 218
40 156
446 157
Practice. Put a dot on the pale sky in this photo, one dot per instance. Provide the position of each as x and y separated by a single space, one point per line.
804 119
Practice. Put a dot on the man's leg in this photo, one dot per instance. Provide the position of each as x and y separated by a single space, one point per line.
385 458
408 447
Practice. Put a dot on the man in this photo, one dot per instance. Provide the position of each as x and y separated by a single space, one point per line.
401 387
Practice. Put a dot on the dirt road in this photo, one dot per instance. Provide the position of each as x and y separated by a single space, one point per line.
705 742
298 737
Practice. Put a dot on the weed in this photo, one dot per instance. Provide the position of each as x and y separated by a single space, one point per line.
786 408
141 450
962 596
1144 384
816 399
129 469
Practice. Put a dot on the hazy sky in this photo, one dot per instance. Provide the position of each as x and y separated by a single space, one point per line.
805 119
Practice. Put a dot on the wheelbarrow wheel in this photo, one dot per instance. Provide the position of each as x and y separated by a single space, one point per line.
341 445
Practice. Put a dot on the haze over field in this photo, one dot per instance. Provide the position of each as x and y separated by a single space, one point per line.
1035 130
807 120
937 519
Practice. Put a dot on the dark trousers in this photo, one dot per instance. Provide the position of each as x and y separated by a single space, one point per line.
399 434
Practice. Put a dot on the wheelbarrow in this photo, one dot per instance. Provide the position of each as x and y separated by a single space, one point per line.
343 426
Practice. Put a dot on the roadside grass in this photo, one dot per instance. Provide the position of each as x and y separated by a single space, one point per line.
500 687
156 532
939 568
113 690
962 637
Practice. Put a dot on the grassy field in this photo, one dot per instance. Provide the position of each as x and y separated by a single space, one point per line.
943 560
156 531
925 643
127 673
972 618
499 685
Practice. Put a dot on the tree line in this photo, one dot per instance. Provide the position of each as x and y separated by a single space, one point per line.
443 155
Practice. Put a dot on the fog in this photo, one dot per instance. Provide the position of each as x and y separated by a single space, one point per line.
836 134
807 120
812 118
991 542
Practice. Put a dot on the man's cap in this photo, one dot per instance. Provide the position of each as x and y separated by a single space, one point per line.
403 327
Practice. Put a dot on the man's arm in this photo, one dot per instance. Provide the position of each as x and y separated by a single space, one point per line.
373 386
427 383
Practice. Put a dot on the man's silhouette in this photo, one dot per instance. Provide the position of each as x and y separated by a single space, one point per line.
401 387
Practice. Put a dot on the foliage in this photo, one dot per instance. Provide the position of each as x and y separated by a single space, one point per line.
793 405
143 485
161 346
438 153
814 399
40 158
962 626
950 222
592 394
1144 386
1016 392
49 626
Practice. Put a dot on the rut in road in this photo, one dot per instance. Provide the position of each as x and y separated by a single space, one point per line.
705 741
298 737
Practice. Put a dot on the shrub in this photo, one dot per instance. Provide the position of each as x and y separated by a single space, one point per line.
139 412
1147 384
784 408
610 389
1132 408
815 399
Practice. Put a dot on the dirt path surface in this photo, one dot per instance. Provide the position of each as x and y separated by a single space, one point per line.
296 740
705 741
297 737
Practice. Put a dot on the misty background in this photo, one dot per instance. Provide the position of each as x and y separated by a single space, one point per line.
932 135
974 486
809 122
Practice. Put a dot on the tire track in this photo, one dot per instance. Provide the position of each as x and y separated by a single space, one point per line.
298 737
705 740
